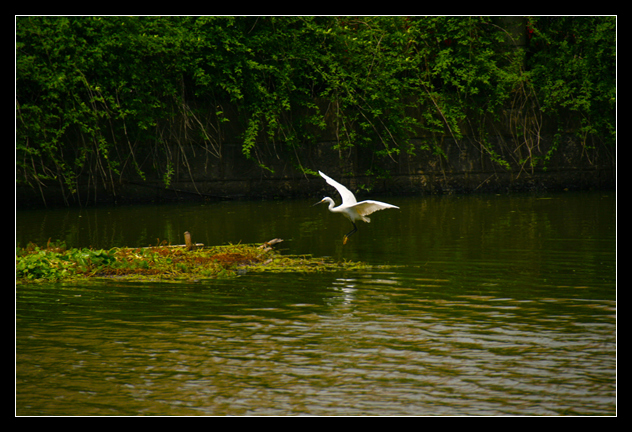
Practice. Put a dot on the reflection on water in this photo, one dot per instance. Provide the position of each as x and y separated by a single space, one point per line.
504 311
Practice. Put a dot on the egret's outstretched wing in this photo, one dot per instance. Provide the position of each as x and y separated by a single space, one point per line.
345 194
365 208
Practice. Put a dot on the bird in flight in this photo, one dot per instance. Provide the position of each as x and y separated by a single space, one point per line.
350 208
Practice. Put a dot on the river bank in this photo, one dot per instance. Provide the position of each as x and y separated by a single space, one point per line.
463 167
240 110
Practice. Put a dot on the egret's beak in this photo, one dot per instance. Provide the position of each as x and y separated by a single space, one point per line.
319 202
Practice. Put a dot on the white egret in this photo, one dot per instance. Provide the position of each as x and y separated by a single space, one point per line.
353 210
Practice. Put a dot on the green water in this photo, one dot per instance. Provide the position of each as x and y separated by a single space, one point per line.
490 305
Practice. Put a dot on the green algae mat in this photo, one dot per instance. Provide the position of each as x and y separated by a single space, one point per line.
56 263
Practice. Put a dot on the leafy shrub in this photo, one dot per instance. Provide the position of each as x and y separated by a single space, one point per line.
97 96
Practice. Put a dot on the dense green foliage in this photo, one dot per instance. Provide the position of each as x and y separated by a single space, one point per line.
101 98
55 262
573 67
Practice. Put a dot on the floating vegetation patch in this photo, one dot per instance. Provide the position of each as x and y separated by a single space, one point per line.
57 263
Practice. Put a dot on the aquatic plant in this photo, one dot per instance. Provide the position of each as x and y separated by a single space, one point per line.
55 263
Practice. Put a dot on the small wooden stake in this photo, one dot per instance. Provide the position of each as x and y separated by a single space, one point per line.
187 241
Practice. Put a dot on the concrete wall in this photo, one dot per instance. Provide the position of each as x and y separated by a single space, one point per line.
466 168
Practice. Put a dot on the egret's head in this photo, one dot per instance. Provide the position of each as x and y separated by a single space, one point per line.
325 200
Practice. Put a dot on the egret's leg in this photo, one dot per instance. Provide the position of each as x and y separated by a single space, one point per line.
346 237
